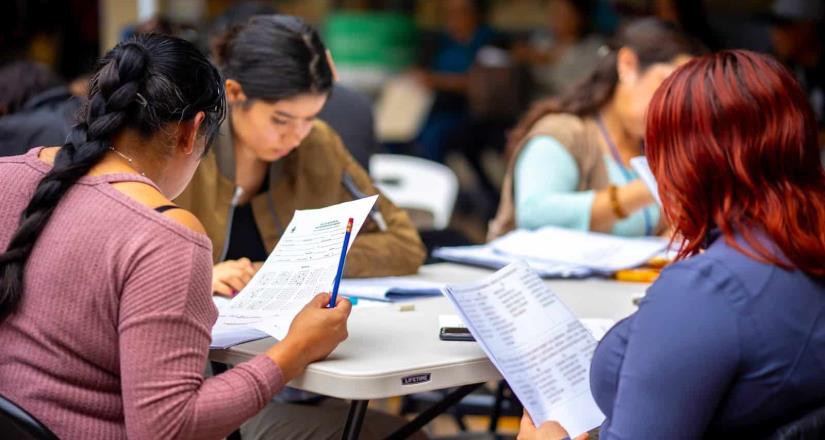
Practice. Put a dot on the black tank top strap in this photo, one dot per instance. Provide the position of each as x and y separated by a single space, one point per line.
165 208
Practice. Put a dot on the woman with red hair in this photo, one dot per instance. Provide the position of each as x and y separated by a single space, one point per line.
730 340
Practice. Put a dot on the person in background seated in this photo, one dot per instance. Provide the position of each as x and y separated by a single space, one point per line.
445 68
569 52
349 113
274 156
570 155
105 298
37 108
797 33
729 342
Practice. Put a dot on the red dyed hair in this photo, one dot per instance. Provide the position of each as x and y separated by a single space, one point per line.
732 142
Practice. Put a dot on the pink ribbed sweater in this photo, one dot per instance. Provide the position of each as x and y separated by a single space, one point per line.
113 331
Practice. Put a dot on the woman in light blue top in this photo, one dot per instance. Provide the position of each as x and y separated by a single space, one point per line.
570 165
546 177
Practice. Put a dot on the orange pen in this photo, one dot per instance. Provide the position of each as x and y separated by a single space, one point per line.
637 275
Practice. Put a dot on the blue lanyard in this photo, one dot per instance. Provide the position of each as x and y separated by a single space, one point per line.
625 172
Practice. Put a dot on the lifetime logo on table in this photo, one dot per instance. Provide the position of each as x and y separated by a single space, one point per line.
415 379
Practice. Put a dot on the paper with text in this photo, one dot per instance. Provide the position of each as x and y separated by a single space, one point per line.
485 256
535 341
599 252
303 264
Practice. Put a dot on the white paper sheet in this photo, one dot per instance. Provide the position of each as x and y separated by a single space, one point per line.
486 256
598 327
389 288
450 321
642 168
303 263
600 252
536 343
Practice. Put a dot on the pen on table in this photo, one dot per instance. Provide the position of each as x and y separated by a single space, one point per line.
637 275
375 213
341 265
658 262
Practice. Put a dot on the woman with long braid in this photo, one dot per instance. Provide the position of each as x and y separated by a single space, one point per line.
105 286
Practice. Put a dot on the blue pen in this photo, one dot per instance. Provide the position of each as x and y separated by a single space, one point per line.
340 265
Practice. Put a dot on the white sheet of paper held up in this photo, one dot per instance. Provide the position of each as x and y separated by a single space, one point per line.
536 343
303 264
642 167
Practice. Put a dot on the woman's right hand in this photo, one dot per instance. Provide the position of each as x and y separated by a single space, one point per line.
231 276
547 431
315 331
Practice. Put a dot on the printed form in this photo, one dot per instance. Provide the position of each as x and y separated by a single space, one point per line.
303 264
535 341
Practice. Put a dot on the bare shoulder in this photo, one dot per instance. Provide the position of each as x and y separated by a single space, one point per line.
187 219
150 197
48 154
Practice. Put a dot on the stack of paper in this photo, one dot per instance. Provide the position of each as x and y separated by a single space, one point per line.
303 264
559 253
486 256
389 288
536 343
599 252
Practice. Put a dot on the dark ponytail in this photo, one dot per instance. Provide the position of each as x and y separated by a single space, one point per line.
274 57
141 84
653 41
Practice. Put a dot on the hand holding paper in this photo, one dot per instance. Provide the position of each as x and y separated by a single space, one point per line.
303 263
314 332
536 343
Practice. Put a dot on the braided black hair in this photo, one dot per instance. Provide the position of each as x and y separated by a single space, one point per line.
142 84
274 57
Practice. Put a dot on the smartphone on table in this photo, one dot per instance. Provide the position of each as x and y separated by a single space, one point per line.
455 334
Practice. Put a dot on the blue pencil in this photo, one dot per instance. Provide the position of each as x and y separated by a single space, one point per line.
341 265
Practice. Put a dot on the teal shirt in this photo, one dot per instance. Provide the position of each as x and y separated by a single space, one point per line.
546 178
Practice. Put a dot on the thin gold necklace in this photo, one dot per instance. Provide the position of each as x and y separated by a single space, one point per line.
128 159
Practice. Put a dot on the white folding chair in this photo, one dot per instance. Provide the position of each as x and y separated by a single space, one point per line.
417 184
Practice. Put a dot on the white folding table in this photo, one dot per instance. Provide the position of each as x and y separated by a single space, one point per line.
391 352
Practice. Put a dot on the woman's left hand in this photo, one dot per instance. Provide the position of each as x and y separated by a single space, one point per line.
547 431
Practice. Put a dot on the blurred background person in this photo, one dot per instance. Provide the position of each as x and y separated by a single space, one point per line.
444 68
567 50
797 34
690 16
36 105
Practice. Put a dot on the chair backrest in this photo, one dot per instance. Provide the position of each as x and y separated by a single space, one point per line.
415 183
16 423
811 426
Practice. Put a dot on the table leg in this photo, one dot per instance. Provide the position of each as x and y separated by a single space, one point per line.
433 411
357 411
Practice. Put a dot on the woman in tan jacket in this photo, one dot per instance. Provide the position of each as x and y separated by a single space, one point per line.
273 156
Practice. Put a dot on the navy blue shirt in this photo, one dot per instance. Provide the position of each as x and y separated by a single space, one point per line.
722 344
